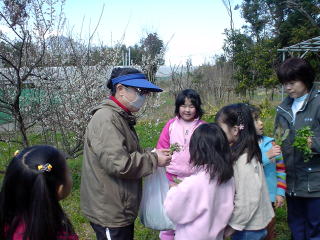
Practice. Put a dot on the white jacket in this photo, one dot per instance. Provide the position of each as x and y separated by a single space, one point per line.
252 205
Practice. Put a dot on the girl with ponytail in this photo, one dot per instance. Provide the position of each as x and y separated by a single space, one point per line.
36 180
252 208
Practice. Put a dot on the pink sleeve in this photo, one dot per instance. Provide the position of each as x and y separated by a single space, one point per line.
164 139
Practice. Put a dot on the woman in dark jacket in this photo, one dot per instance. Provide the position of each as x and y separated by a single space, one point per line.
298 110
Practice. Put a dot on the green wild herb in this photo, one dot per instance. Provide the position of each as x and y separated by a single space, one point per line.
281 135
174 148
301 142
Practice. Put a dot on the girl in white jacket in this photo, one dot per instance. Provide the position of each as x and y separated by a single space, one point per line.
252 206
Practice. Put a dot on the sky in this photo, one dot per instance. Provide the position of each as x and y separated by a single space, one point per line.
192 29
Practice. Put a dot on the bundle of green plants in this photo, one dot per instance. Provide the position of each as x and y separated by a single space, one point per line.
175 147
302 142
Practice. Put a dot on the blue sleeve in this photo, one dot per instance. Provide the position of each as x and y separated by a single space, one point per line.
265 159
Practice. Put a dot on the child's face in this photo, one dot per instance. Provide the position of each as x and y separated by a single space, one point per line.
187 111
295 88
258 125
231 132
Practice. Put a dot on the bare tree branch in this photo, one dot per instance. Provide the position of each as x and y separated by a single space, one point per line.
228 6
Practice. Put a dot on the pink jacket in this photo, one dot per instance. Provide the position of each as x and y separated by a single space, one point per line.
200 208
19 232
178 131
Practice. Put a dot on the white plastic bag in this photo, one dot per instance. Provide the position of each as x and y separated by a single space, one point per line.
154 192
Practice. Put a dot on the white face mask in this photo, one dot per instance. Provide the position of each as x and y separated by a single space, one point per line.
138 102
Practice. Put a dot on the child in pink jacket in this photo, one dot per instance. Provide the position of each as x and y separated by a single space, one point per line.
178 131
202 204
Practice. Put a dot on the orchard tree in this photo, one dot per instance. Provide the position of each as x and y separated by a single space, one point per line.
74 90
49 82
181 77
26 25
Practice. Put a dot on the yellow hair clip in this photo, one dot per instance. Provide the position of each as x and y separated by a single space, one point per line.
45 168
16 153
49 167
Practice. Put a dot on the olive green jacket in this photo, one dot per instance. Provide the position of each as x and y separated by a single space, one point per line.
113 167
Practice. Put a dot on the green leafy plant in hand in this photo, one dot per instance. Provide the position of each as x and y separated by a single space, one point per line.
176 180
281 135
301 142
174 148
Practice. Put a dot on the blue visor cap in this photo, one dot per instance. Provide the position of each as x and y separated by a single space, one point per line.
137 80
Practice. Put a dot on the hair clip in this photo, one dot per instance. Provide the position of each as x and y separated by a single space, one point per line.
16 153
45 168
241 127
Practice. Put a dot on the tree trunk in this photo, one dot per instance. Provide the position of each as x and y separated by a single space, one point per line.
23 130
20 120
272 94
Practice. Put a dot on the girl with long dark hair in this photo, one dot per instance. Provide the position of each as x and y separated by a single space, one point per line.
252 210
201 205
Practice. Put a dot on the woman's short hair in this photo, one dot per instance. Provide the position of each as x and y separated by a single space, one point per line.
296 69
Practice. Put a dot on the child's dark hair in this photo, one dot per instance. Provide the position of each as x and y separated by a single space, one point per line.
194 98
116 72
255 112
29 195
209 149
296 69
240 115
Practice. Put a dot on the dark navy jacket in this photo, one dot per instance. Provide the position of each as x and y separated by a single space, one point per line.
303 178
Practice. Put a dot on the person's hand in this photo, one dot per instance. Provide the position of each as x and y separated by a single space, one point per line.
309 142
172 184
164 157
228 231
279 201
273 152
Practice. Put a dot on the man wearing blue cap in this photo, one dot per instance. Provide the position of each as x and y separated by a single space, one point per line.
113 161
